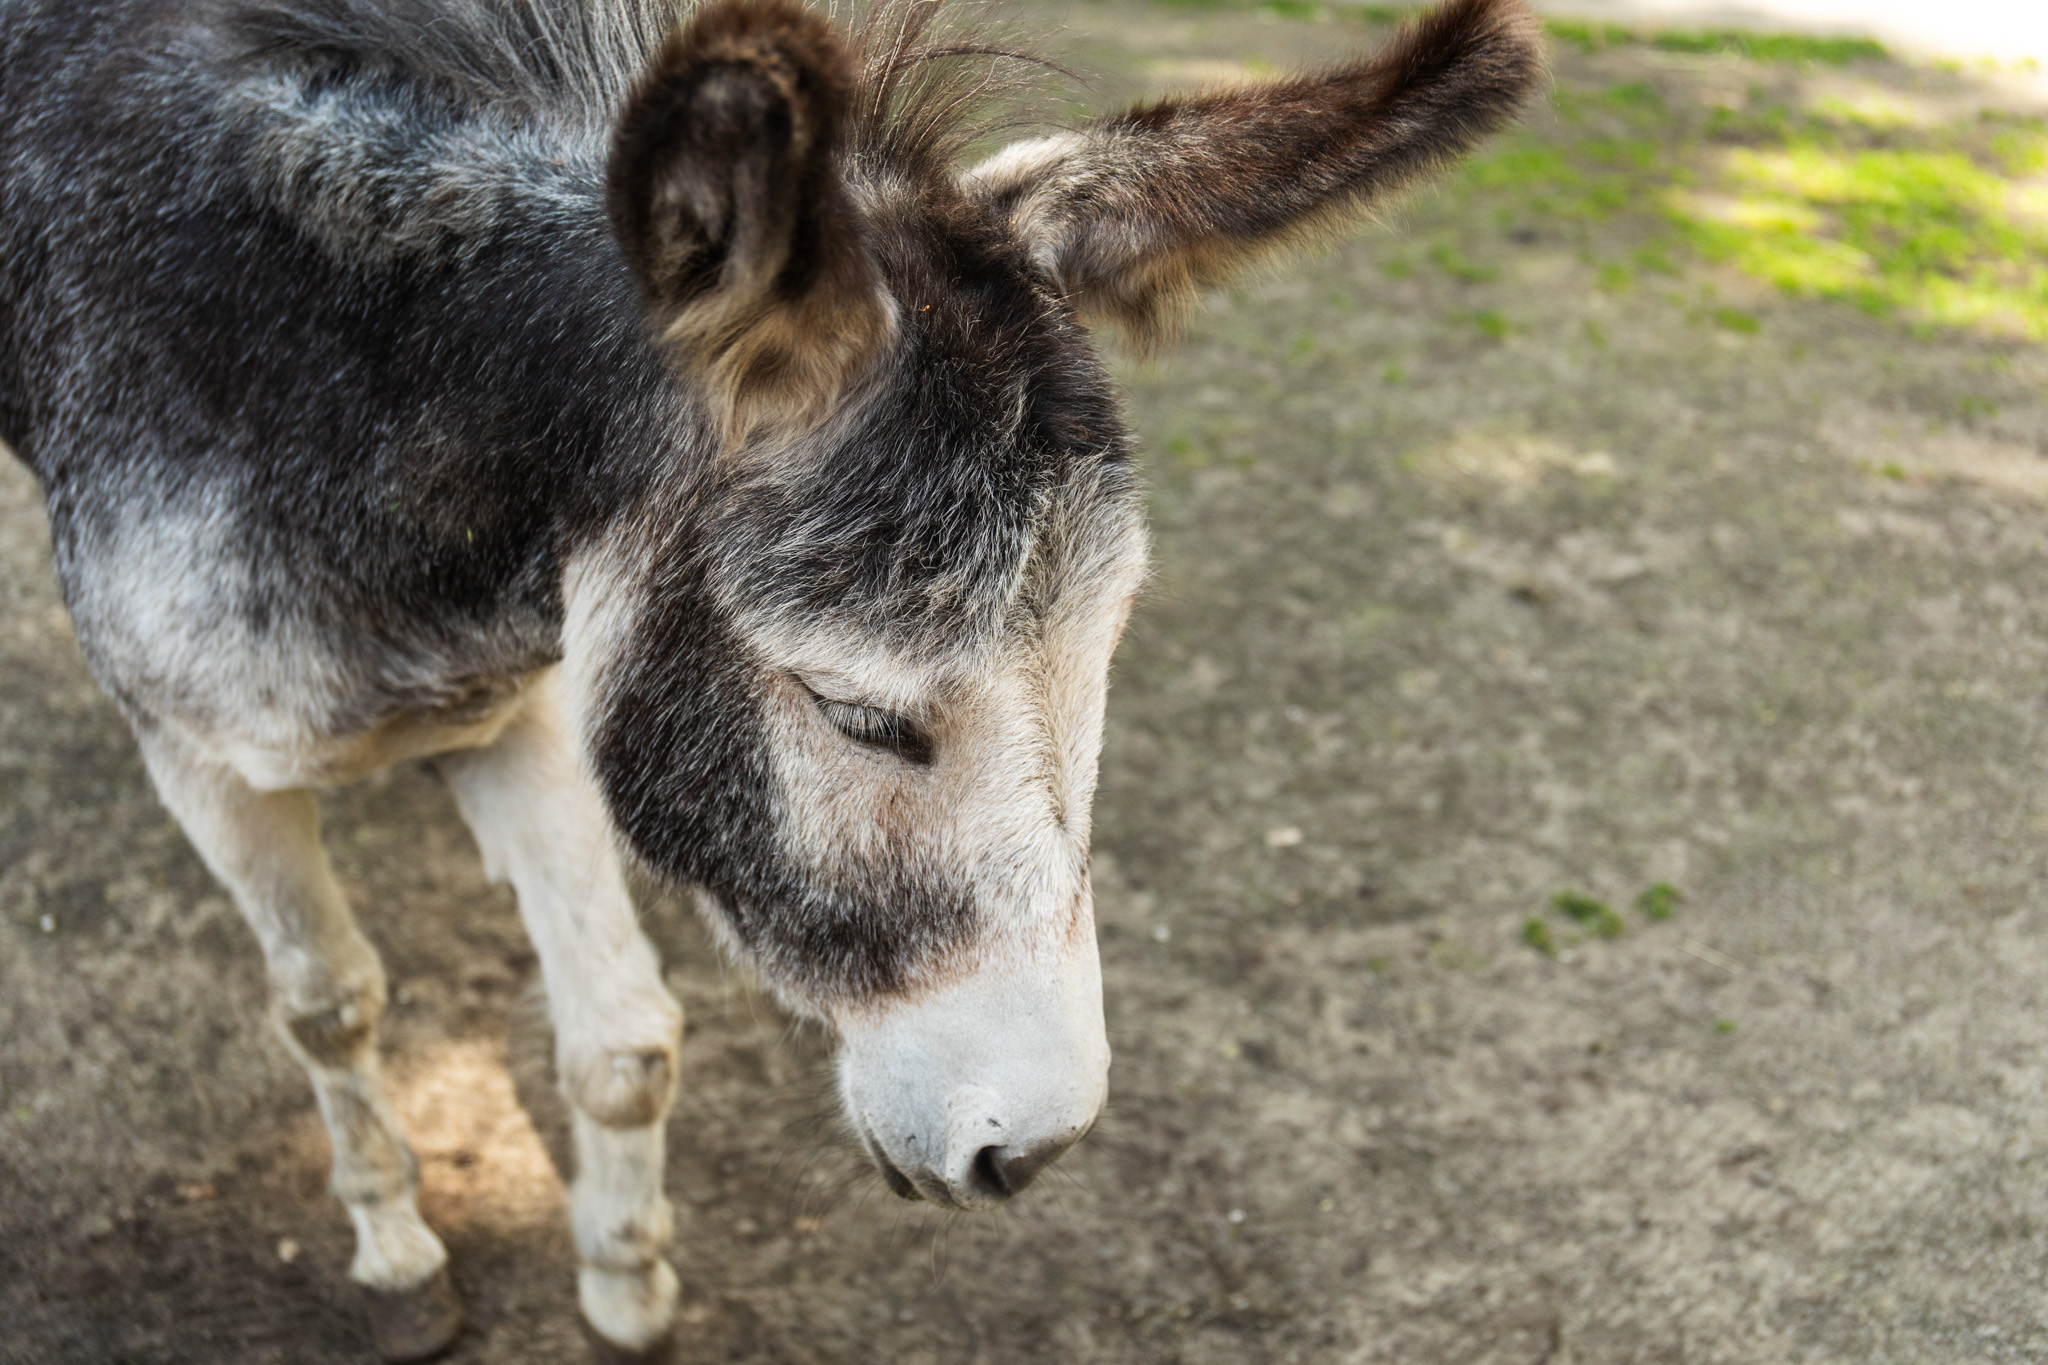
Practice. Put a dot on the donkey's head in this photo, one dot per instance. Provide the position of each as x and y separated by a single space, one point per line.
846 667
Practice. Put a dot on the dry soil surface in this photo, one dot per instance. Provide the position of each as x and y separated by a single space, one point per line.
1483 575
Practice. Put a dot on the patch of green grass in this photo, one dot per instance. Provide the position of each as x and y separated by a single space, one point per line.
1735 320
1633 95
1725 1026
1624 154
1759 47
1854 194
1754 122
1867 113
1492 324
1447 259
1536 933
1774 47
1657 901
1656 259
1574 183
2020 146
1595 917
1394 374
1588 37
1520 168
1926 232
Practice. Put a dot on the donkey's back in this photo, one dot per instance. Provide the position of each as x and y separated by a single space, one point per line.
320 356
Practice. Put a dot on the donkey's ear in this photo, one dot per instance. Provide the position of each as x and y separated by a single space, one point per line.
725 191
1128 215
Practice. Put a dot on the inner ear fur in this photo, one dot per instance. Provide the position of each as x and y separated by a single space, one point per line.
1129 215
726 194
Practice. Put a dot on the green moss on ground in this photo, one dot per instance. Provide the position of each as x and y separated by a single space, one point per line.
1857 188
1658 901
1831 174
1595 917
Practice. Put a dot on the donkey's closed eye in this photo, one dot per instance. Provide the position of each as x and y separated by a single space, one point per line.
876 728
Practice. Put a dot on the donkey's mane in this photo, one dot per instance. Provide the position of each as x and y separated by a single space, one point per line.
928 76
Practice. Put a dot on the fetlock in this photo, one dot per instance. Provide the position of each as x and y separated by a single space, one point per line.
329 1016
621 1089
625 1075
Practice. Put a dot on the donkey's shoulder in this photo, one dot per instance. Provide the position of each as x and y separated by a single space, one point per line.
424 127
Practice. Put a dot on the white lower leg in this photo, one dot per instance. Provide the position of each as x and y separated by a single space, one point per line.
376 1177
623 1223
327 985
541 824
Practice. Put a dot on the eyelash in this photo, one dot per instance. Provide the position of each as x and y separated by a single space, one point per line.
876 729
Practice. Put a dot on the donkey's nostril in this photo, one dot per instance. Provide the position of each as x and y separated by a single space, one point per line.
899 1184
999 1172
987 1174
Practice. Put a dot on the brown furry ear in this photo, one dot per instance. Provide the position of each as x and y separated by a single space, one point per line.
725 191
1130 214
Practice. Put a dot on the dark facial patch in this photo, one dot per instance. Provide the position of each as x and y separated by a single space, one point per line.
682 755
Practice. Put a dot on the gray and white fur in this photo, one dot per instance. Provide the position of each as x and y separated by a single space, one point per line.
646 414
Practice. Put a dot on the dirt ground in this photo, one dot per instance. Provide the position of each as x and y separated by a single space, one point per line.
1488 569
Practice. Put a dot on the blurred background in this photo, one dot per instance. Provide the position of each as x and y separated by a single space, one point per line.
1971 30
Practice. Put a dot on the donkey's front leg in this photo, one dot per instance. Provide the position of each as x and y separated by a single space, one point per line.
327 989
542 826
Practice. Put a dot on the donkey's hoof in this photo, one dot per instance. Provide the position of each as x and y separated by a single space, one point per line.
604 1351
631 1311
414 1324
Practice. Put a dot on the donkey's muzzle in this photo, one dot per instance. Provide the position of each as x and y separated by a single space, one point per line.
965 1094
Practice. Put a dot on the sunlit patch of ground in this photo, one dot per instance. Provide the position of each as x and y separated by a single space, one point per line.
1498 461
481 1161
1820 167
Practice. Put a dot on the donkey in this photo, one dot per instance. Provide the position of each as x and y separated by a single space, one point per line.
646 416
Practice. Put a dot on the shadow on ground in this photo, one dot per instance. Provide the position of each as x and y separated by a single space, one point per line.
1559 541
